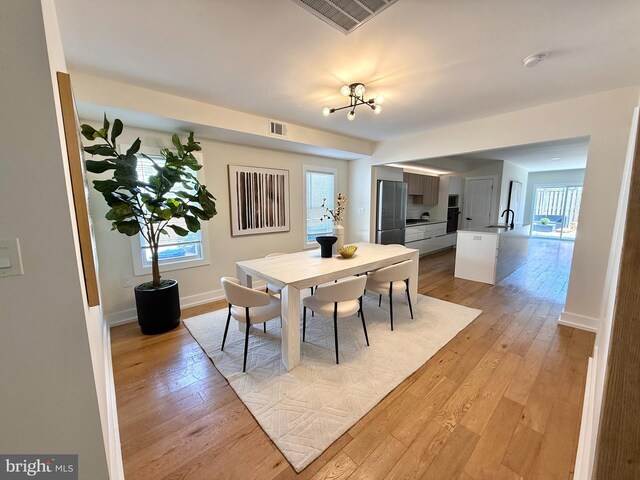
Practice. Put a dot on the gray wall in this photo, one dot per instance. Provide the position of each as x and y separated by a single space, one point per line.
49 402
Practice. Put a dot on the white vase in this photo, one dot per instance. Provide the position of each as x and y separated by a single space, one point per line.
338 232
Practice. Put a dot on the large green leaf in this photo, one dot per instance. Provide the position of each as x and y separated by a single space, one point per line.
179 230
105 185
101 149
99 166
87 131
192 223
175 139
116 130
134 148
128 227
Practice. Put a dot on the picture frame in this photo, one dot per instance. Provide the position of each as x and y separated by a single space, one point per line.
259 200
79 186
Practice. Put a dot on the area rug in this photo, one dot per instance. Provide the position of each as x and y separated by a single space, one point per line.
305 410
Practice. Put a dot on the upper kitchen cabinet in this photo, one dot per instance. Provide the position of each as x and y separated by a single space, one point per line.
423 189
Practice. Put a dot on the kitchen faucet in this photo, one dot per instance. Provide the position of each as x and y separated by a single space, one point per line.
513 217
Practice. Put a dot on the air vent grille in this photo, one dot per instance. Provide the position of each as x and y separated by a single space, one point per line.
277 129
345 15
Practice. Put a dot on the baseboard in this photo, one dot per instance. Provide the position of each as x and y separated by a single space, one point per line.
115 465
584 456
128 316
581 322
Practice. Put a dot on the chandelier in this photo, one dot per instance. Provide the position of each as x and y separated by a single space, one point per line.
355 92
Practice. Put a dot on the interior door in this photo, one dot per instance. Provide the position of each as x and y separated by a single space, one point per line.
478 202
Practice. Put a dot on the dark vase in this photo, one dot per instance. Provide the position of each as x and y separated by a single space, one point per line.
158 309
326 242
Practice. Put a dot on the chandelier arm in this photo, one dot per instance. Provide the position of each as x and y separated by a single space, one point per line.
341 108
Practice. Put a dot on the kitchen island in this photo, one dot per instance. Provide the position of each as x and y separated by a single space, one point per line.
489 254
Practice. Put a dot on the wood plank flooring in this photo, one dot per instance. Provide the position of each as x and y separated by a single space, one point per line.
502 400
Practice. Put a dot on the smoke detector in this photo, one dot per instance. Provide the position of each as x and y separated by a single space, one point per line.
533 60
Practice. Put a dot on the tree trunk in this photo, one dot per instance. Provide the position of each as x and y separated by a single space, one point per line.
155 269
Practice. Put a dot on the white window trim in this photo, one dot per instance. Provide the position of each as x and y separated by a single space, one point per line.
313 168
169 265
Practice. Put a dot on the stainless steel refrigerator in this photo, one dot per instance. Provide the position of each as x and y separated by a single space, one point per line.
391 216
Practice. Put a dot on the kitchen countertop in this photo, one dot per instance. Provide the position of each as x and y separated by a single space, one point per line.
425 222
491 230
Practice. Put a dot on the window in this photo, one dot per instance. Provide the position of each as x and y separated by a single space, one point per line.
320 184
175 252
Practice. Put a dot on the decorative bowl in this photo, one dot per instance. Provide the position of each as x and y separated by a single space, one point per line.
348 251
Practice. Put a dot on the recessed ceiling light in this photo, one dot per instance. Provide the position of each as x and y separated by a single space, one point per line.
556 159
533 60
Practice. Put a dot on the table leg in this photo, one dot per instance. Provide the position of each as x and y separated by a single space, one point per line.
413 279
243 277
290 297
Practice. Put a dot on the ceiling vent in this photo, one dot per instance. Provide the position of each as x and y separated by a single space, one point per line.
345 15
277 129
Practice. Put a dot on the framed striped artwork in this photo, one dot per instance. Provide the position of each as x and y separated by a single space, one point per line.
259 200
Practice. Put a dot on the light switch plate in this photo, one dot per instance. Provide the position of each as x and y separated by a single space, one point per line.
10 256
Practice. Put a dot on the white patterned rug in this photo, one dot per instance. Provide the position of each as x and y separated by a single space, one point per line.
305 410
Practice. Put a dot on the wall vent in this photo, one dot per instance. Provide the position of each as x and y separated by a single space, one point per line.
345 15
277 129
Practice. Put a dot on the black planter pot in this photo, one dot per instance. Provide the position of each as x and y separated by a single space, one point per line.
326 242
159 309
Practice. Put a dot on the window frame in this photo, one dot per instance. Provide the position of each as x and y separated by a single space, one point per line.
314 169
168 265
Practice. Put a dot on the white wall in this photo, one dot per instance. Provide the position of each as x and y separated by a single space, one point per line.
511 171
50 399
554 177
202 284
597 374
605 117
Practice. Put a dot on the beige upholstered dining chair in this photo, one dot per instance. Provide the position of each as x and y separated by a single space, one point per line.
247 306
337 300
390 280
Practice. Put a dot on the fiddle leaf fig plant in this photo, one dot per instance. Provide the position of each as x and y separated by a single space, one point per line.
149 206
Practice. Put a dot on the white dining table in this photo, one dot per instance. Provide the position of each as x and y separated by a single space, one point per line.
294 272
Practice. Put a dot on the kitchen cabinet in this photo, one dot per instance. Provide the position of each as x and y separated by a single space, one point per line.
429 237
423 189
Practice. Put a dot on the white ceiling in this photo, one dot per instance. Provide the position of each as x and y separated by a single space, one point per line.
436 61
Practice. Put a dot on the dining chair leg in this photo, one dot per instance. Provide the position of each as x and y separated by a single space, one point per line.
391 304
304 322
264 327
335 328
364 325
409 298
246 340
380 300
226 329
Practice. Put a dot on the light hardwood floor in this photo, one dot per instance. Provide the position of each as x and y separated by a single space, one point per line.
502 400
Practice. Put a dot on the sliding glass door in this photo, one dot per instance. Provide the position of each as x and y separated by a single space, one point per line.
556 209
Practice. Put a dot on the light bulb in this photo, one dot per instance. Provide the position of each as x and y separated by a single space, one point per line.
359 90
326 111
351 115
379 100
345 91
377 109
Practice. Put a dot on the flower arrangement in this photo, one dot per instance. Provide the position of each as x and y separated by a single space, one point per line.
337 214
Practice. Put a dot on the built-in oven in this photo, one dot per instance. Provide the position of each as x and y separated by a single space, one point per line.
452 219
454 201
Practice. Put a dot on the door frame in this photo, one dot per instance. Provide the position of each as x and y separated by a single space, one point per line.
564 185
465 200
